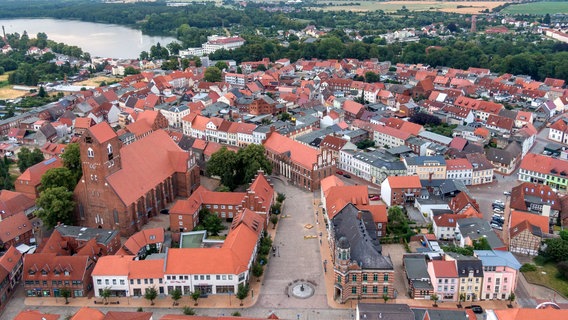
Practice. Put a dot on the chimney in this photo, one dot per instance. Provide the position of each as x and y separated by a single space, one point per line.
359 215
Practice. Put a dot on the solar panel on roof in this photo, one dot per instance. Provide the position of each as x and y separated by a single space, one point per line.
50 161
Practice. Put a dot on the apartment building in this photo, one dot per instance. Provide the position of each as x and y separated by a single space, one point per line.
426 167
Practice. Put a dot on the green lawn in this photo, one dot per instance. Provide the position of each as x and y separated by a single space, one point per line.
543 8
547 275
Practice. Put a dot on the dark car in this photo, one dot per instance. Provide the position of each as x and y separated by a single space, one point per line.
347 176
165 211
475 308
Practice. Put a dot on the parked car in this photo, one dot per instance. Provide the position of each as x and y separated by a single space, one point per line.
497 221
347 176
375 198
497 210
507 193
165 211
496 226
339 172
498 202
476 309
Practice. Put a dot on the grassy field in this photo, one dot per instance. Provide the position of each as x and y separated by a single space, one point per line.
6 91
391 6
95 82
546 275
538 8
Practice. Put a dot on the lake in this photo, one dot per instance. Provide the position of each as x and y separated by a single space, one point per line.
98 39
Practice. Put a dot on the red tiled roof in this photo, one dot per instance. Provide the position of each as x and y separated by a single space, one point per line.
10 259
139 158
35 315
404 182
518 217
127 315
448 219
444 269
86 313
113 265
14 226
542 192
12 202
144 269
458 164
299 153
143 238
102 132
338 196
33 174
543 164
530 314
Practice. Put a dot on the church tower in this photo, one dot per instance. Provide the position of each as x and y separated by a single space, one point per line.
100 157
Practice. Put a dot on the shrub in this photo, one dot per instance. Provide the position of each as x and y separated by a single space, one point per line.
563 269
528 267
236 314
188 311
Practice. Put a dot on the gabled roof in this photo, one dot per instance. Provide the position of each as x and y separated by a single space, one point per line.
86 313
14 226
10 259
543 164
444 269
12 202
534 193
144 238
127 315
297 152
33 174
404 182
102 132
523 220
116 265
336 196
530 314
496 258
35 315
139 158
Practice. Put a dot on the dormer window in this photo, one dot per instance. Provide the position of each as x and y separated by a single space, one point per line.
43 272
88 140
90 153
66 272
31 271
109 148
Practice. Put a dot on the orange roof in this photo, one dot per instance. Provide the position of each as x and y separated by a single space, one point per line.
12 202
458 164
404 182
14 226
139 158
352 107
143 238
145 269
298 153
263 191
444 269
113 265
183 317
83 123
33 174
329 182
543 164
536 220
10 259
448 219
86 313
378 211
338 196
127 315
530 314
231 258
102 132
35 315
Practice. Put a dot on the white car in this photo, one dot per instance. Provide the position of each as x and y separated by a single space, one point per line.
496 226
497 210
499 202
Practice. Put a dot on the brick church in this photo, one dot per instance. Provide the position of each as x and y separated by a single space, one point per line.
124 185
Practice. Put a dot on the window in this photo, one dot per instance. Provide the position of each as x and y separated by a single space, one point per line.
99 281
90 153
208 277
364 289
107 282
375 289
224 277
109 148
354 290
201 277
375 277
114 281
385 290
138 281
386 277
230 277
365 277
339 279
218 277
131 281
354 278
122 281
196 277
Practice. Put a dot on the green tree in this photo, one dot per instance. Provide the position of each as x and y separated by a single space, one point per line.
257 270
223 163
58 177
285 116
511 299
364 144
212 74
397 221
274 220
434 297
195 295
151 294
174 47
481 244
461 299
556 250
242 292
280 197
105 294
176 295
42 93
72 160
221 65
56 205
27 158
546 19
65 293
276 208
213 224
131 70
385 298
251 159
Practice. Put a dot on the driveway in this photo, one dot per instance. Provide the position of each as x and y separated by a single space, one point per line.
299 257
396 251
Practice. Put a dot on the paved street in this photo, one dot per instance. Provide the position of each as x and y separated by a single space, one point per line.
299 257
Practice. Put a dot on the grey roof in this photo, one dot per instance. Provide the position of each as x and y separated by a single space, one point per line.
310 137
362 237
476 228
497 258
399 150
416 267
435 137
440 314
103 236
421 160
389 311
464 266
504 156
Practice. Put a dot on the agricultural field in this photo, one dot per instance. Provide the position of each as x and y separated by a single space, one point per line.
465 7
96 81
543 8
6 91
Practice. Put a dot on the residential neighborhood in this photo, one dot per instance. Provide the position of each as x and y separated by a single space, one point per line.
419 190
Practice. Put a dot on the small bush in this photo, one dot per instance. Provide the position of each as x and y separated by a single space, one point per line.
528 267
140 309
236 314
188 311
